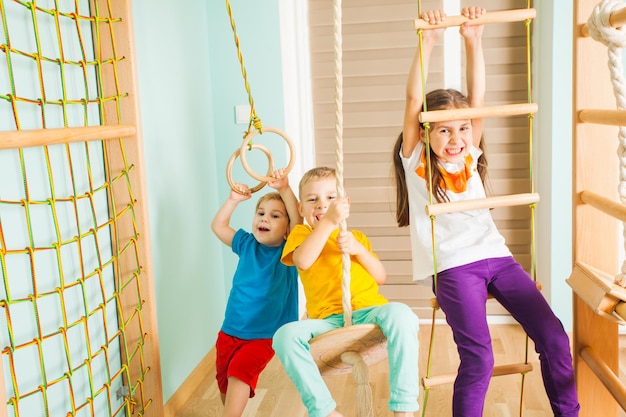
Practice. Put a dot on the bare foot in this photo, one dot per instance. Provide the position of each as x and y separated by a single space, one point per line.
403 414
335 413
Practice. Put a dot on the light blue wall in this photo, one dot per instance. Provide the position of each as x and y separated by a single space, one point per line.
190 80
552 73
175 90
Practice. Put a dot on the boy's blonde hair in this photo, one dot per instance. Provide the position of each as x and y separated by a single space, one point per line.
315 174
271 196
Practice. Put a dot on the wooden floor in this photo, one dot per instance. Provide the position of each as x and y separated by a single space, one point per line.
277 397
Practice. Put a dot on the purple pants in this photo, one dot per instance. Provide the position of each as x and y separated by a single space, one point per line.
462 294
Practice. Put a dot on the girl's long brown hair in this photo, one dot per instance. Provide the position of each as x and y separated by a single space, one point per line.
435 100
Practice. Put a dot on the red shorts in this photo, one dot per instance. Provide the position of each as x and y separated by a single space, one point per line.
242 359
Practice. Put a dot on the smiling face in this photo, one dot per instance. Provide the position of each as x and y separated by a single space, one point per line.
270 225
451 141
315 197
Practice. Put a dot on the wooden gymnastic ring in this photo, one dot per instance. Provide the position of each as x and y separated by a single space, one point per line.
229 168
245 145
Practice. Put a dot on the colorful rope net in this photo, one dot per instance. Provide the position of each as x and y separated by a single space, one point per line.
71 321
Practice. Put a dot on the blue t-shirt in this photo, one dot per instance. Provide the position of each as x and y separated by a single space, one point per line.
264 294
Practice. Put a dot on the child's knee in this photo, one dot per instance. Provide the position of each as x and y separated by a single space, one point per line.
404 315
283 337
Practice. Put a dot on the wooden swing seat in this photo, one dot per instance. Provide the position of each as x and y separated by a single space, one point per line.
365 339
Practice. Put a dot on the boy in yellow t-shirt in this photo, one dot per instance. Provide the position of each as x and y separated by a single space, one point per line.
316 250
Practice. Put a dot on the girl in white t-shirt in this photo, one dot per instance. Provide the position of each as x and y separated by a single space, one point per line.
471 255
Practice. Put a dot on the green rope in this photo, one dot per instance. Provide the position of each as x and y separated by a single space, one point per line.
254 120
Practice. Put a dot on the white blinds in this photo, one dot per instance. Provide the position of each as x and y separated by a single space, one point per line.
378 45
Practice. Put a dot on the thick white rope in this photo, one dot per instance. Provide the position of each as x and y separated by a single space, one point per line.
345 282
615 39
361 375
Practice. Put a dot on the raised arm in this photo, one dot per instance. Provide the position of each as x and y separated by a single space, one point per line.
305 255
414 91
221 221
475 61
281 184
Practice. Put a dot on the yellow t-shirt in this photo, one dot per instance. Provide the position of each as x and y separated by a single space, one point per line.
322 281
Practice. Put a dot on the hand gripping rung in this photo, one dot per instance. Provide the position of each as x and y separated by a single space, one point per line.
503 110
500 16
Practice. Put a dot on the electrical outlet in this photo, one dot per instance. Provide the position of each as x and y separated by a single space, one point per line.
122 392
242 114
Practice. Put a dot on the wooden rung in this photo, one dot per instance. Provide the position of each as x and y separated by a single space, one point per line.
605 205
617 19
603 117
41 137
620 310
605 375
500 16
597 289
517 368
477 112
481 203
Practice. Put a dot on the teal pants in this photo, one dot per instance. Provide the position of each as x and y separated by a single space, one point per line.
397 322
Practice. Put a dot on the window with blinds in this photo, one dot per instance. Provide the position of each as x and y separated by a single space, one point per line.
379 42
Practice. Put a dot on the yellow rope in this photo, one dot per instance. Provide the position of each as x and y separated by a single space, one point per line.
254 120
68 267
433 218
533 260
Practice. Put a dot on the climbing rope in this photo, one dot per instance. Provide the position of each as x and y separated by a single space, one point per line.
338 47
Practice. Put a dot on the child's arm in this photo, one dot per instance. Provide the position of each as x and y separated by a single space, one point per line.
281 184
414 93
309 250
475 60
348 244
221 221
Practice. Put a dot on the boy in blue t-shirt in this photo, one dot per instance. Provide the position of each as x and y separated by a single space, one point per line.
264 293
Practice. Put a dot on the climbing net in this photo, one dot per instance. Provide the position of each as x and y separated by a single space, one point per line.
74 332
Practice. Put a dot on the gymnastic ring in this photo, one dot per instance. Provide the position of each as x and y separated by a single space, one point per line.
229 168
245 145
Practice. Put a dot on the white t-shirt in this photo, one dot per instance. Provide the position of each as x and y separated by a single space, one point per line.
461 237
